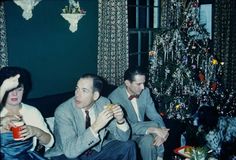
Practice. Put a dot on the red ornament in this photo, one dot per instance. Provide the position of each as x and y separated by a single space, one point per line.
190 24
162 114
201 76
195 4
213 86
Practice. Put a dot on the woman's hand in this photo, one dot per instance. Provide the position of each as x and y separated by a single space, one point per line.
28 131
7 122
8 84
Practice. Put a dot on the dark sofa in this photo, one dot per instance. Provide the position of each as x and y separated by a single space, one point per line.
47 105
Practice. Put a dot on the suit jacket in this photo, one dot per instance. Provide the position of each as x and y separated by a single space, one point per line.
71 137
145 105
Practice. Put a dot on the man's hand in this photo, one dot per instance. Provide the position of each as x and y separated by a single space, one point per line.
118 113
158 141
160 132
102 120
161 135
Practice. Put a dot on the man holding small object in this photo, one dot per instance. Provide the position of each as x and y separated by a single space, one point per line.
83 122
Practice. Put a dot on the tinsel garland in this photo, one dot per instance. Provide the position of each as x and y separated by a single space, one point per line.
184 72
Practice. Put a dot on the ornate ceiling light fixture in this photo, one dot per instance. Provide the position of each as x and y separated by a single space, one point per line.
27 6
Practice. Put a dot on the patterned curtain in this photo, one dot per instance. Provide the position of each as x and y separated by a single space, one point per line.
171 12
112 40
224 37
3 42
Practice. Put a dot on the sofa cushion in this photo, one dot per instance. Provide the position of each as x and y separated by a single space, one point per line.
50 123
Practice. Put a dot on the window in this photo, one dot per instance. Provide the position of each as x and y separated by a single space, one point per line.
206 17
143 17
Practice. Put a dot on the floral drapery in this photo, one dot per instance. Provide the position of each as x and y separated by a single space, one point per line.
112 40
3 43
224 37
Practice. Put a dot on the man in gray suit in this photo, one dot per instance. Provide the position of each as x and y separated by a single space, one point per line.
135 98
83 122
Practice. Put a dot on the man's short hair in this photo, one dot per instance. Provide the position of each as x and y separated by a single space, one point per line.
133 71
97 81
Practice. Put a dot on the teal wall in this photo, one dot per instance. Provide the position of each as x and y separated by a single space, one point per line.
46 47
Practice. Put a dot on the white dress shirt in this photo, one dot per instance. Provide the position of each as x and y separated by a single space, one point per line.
135 105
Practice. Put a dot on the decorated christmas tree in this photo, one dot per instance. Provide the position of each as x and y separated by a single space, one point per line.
184 73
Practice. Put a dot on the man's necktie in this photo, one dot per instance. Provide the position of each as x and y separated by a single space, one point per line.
87 119
87 124
133 96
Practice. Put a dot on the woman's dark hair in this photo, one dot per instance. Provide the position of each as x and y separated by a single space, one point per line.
24 80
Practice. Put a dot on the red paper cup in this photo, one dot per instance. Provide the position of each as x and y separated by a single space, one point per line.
16 130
